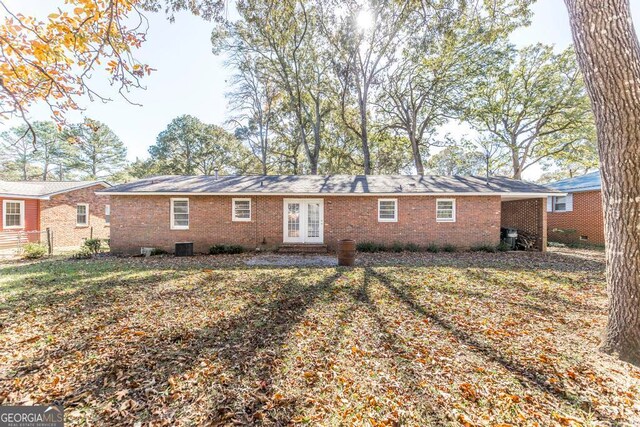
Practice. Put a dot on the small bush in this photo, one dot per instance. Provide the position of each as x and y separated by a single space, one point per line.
369 247
93 245
226 249
449 248
158 251
397 247
503 247
34 250
484 247
84 253
433 248
412 247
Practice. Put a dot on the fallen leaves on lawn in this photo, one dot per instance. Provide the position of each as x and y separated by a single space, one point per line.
405 339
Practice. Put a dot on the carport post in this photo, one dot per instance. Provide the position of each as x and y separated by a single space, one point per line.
542 225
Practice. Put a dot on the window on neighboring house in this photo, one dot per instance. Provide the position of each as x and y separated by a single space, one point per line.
107 214
387 210
241 210
445 210
82 215
13 214
179 214
560 203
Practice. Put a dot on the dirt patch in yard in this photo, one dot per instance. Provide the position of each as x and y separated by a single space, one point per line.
282 260
401 339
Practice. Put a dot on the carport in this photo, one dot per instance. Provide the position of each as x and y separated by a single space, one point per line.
528 215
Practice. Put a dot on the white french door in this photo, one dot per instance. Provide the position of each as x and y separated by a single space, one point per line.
303 221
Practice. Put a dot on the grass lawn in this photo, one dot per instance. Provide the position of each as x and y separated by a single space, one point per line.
426 339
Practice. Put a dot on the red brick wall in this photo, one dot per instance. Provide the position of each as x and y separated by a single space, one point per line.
586 219
529 215
139 221
59 214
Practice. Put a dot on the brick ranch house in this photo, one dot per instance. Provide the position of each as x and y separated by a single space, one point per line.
71 210
578 215
270 211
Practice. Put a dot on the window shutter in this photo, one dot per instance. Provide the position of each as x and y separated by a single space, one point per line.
569 202
549 204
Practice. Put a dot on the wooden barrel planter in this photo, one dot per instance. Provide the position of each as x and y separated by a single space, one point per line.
346 252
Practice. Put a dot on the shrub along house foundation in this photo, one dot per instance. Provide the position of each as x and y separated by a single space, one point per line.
272 211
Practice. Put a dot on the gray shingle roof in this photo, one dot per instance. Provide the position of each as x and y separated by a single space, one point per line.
42 189
327 184
587 182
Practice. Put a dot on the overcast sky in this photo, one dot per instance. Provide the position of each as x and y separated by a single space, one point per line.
191 80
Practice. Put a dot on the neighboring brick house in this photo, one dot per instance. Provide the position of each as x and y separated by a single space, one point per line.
271 211
72 211
577 216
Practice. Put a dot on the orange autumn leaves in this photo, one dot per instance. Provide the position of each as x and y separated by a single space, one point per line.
52 59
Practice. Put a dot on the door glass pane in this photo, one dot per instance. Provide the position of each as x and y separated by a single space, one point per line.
293 219
313 220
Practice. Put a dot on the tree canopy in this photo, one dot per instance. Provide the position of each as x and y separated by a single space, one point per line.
88 150
321 86
190 147
98 152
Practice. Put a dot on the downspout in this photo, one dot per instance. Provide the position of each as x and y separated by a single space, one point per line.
255 227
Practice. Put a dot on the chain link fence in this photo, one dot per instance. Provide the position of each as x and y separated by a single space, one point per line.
11 242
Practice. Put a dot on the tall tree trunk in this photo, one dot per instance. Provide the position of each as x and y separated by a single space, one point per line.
417 158
45 166
317 141
609 56
516 164
364 137
263 160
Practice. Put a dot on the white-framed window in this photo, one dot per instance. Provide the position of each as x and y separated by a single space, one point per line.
13 214
82 214
107 214
560 203
387 210
179 214
446 210
241 209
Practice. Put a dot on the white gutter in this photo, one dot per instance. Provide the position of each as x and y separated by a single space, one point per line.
444 194
21 196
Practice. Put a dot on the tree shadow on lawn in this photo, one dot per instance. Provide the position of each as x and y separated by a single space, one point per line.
80 297
244 345
527 375
555 295
243 348
427 405
512 261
